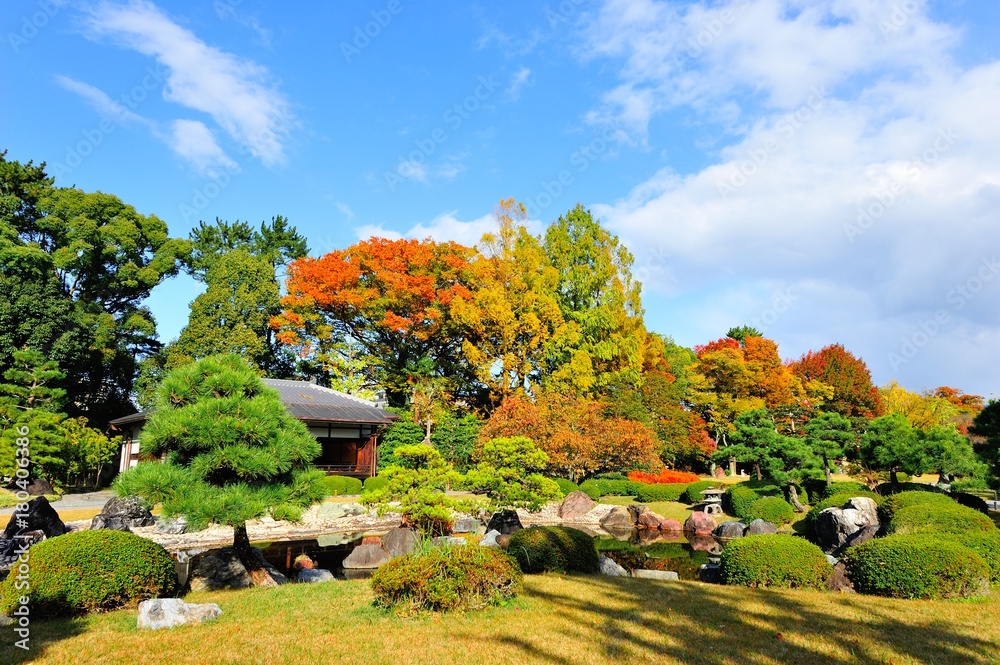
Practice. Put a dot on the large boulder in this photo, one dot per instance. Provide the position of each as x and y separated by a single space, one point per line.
610 567
836 527
618 518
648 520
172 525
122 514
671 526
222 570
40 516
700 524
366 557
171 612
399 541
730 530
506 522
575 505
758 527
39 487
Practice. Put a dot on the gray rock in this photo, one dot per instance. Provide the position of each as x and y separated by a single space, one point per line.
312 575
171 612
122 514
466 525
490 539
575 505
836 527
366 557
730 530
758 527
172 525
506 522
667 575
611 568
222 570
839 581
619 517
399 542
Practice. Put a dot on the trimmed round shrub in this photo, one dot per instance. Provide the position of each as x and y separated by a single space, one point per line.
541 549
338 485
774 560
447 578
987 546
595 488
86 571
590 488
885 489
971 501
916 566
375 483
660 492
771 509
940 520
692 493
896 502
566 486
738 499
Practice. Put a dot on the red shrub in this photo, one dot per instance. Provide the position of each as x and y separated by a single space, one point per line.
665 476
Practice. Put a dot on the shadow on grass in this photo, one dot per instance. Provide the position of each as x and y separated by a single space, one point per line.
697 623
42 634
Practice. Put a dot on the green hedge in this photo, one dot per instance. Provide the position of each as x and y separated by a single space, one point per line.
447 578
987 546
771 509
598 487
375 483
338 485
917 566
692 493
660 492
738 499
896 502
542 549
842 487
85 571
566 486
774 560
940 519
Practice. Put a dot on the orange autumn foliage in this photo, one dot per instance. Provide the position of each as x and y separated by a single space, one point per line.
663 477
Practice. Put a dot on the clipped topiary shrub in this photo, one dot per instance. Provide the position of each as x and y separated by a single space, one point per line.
841 487
987 546
447 578
338 485
375 483
598 487
896 502
591 489
738 499
885 489
541 549
916 566
660 492
971 501
939 519
85 571
771 509
692 493
774 560
566 486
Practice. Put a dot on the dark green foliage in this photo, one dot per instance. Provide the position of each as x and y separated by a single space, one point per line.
403 432
611 475
835 501
738 499
771 509
896 502
606 487
940 519
541 549
338 485
86 571
844 486
987 546
692 493
375 483
916 566
774 560
971 501
455 438
986 426
660 492
566 486
885 489
447 578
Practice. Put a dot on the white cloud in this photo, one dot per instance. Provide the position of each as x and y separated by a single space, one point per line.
193 141
234 91
345 210
873 201
444 227
100 101
518 81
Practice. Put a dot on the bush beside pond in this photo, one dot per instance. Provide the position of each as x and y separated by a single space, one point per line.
541 549
774 560
771 509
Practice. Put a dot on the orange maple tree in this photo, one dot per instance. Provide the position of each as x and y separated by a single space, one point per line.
853 392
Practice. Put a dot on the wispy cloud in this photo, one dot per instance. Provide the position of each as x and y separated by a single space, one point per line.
446 226
521 77
194 142
237 93
100 101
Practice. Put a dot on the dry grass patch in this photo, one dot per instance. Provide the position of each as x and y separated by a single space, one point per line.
558 620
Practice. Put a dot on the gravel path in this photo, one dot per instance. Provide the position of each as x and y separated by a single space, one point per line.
75 501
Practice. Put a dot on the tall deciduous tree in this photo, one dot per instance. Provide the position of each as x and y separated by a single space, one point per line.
600 302
391 298
233 453
854 395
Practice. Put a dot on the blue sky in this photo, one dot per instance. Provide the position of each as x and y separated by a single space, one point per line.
824 170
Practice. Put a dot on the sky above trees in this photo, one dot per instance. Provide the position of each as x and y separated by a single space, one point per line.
823 171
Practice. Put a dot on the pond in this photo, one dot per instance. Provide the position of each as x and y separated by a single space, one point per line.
654 550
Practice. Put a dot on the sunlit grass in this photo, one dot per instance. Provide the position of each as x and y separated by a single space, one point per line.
557 619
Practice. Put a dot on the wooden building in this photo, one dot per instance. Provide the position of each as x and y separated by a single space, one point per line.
347 427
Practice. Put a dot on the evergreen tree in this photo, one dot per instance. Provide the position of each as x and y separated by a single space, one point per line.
828 435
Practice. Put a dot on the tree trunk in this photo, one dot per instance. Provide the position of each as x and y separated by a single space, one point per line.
793 498
249 557
893 480
756 470
732 466
829 475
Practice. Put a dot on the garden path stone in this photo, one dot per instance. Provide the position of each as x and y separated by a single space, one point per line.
161 613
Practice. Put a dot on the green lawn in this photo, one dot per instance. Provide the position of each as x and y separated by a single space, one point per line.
557 620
